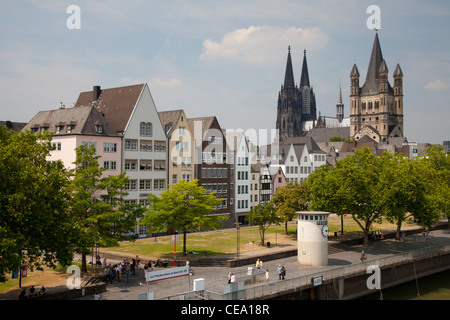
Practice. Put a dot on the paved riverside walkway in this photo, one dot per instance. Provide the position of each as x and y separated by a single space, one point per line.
338 255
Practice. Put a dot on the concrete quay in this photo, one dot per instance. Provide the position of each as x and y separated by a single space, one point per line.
339 255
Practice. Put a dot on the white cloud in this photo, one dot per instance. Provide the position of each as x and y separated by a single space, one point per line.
437 85
257 44
173 82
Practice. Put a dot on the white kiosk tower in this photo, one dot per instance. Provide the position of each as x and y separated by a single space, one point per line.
312 238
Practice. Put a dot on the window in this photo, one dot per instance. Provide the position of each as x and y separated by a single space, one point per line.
145 185
145 165
160 165
130 165
56 146
145 145
59 129
174 179
131 185
181 131
110 165
109 147
131 145
70 127
89 144
146 129
181 146
99 128
159 184
160 146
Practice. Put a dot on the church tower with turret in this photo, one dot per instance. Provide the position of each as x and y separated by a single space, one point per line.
376 108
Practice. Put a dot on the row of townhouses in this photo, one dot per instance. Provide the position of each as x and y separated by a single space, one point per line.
157 149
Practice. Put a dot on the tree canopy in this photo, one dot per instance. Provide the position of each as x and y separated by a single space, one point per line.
370 187
97 206
34 223
290 198
183 207
263 215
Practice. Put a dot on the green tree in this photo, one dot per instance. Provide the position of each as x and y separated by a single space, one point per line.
434 167
34 224
288 199
97 206
326 192
263 215
403 192
182 207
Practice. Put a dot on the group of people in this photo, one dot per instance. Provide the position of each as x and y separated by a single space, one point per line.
32 292
281 271
123 269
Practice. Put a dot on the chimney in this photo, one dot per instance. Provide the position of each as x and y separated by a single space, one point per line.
96 93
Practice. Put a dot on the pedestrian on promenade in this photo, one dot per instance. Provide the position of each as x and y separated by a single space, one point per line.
283 272
258 265
229 278
233 278
363 256
267 276
279 272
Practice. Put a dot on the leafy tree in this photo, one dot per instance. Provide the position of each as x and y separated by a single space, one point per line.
404 192
288 199
434 167
97 205
263 215
183 206
34 224
326 193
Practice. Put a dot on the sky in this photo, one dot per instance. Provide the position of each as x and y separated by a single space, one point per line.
222 58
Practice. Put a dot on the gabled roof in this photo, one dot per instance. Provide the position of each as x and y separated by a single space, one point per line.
84 120
206 123
308 141
117 104
170 119
13 126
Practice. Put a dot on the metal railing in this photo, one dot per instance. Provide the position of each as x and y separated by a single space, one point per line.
255 286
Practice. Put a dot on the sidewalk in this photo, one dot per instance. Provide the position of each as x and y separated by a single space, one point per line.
215 276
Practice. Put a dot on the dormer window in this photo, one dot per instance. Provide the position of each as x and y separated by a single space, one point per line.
70 127
59 128
99 128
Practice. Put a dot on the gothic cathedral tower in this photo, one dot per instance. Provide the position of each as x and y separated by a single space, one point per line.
295 105
376 109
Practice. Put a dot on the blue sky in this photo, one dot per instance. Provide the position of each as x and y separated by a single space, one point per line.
223 58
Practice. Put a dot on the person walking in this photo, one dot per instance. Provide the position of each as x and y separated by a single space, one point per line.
267 276
283 272
279 272
363 256
258 265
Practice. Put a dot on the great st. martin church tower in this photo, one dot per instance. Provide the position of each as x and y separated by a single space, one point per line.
295 104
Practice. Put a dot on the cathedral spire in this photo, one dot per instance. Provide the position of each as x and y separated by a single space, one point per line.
304 80
289 83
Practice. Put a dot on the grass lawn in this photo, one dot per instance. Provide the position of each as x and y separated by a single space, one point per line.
222 242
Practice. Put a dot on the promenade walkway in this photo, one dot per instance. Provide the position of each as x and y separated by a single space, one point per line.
215 277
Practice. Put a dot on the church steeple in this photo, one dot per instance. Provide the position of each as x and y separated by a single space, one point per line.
304 80
289 83
373 71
